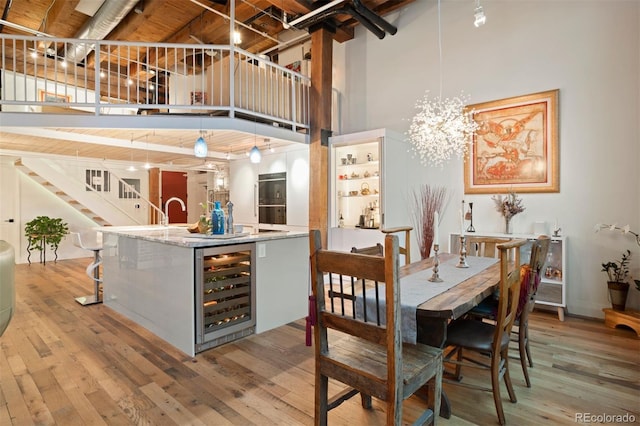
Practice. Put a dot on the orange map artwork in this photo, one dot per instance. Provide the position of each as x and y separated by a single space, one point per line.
510 145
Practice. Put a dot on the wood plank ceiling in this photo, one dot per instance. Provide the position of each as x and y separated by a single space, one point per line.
170 21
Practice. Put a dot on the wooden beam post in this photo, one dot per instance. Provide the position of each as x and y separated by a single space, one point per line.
320 125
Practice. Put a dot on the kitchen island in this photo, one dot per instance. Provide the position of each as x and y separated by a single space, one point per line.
197 291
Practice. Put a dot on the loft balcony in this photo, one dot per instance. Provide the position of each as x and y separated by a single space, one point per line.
91 80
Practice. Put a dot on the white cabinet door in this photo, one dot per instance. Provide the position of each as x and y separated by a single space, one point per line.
243 191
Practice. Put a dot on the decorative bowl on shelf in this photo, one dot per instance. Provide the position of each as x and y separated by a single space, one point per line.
353 193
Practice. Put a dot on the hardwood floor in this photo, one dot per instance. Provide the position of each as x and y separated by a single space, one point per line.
62 363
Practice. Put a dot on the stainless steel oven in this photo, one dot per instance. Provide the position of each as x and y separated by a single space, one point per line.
272 198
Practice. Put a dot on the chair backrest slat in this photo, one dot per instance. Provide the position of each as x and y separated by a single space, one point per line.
343 269
509 288
483 246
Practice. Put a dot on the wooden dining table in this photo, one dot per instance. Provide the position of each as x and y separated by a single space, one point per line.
433 315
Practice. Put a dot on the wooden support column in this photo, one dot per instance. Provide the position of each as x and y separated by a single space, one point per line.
154 195
320 123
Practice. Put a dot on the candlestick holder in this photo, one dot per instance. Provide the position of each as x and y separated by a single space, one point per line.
462 263
435 278
471 228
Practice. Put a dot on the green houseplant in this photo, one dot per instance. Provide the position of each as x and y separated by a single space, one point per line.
618 277
52 229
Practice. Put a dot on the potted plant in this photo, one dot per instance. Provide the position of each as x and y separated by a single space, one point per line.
45 231
618 277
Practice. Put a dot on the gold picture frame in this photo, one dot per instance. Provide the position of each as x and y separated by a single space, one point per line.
515 147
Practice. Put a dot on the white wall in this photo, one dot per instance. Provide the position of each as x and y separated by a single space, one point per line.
590 50
36 200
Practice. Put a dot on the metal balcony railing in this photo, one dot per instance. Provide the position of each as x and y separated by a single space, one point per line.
41 74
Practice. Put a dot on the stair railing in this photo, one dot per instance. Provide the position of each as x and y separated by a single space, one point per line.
160 216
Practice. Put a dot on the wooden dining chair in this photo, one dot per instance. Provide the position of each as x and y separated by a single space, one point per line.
487 339
483 246
539 249
406 250
488 308
366 352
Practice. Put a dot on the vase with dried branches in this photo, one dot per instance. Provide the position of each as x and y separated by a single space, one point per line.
427 200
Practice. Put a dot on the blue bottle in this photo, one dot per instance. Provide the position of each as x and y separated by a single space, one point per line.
217 219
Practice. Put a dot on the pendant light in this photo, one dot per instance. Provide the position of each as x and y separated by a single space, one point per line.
200 149
255 156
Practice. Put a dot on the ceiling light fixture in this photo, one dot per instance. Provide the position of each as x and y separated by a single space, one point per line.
441 127
255 156
131 167
269 147
479 16
237 38
147 165
200 149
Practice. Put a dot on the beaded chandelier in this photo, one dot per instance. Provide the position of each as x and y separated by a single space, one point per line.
441 127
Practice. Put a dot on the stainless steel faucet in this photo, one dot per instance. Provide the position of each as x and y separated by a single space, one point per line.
166 208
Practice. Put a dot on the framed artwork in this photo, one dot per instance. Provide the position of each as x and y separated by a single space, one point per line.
198 98
295 66
515 147
53 97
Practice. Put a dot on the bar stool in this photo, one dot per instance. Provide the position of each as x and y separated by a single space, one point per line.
91 240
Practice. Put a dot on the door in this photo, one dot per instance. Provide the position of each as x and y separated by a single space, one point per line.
174 184
9 208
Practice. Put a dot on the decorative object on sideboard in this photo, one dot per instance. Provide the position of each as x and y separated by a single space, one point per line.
426 201
469 216
508 206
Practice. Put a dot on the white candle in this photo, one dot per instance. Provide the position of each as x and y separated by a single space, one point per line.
461 223
435 229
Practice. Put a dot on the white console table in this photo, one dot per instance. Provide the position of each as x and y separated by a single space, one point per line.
552 290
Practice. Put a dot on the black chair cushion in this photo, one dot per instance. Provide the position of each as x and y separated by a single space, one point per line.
472 334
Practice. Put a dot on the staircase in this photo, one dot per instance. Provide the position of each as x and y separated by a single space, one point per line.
61 194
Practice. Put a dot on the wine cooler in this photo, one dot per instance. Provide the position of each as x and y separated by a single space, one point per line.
225 301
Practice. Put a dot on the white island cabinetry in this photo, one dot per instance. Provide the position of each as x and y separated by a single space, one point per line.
162 280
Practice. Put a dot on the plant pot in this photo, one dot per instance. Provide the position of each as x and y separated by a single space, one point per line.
618 294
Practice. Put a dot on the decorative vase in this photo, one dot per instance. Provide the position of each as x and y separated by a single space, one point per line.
618 294
507 225
203 226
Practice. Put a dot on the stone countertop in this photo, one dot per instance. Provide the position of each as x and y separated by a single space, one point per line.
179 236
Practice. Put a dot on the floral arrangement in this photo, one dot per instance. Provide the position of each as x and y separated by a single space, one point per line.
426 201
508 206
625 230
440 128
